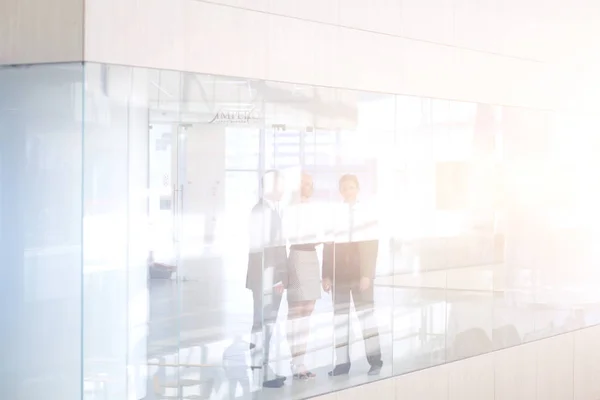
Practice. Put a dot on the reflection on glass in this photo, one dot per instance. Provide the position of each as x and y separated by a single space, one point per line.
376 234
303 233
40 232
267 272
349 272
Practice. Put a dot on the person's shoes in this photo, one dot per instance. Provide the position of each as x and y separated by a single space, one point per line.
340 369
304 376
270 373
273 383
300 373
375 370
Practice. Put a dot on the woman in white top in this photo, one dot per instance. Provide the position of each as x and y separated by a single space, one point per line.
301 224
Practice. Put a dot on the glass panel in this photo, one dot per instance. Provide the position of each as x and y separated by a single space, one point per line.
41 114
545 227
162 93
386 233
138 237
115 226
105 245
575 195
219 164
465 155
243 148
419 279
362 253
302 345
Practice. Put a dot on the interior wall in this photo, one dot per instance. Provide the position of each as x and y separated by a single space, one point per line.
41 31
560 368
494 51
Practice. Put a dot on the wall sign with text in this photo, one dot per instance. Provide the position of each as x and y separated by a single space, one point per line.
236 116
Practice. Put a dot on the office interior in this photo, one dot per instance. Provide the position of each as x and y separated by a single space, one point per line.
135 186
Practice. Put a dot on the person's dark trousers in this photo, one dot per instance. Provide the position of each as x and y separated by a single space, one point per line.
346 290
265 313
266 303
267 265
266 308
344 293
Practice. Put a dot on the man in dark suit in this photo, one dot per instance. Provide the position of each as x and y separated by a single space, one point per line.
267 269
349 268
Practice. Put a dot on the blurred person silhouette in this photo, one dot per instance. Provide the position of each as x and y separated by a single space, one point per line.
349 270
266 276
236 367
302 222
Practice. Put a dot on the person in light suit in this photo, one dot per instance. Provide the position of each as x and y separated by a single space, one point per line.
349 270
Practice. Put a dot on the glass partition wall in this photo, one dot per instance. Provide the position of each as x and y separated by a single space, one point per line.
179 235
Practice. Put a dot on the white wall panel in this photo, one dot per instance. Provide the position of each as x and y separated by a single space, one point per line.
576 30
476 22
181 35
515 373
368 61
587 364
312 10
431 20
431 383
523 30
149 33
482 76
39 31
291 50
430 70
383 389
472 379
532 29
224 41
577 87
529 84
208 37
211 38
555 368
331 396
545 370
326 46
258 5
384 16
494 79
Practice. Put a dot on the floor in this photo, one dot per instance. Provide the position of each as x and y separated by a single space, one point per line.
424 320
